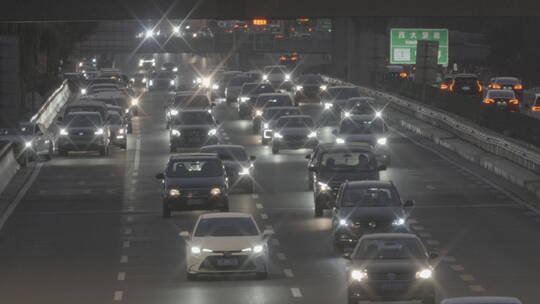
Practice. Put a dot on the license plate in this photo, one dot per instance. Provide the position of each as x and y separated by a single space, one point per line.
194 139
507 88
465 88
392 286
227 262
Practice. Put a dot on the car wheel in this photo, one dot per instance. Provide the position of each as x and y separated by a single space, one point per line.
191 276
256 127
429 301
310 181
166 212
275 150
129 129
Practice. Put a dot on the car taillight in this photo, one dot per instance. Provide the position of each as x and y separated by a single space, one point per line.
452 85
536 108
444 87
518 87
495 86
488 100
403 75
513 101
480 87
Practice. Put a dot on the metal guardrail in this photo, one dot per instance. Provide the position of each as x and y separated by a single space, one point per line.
501 146
52 106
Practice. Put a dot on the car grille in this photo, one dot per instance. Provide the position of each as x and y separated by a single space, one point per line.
195 192
391 276
78 133
212 263
194 132
294 137
371 224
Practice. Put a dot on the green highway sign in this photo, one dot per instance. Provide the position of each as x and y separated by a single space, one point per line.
403 44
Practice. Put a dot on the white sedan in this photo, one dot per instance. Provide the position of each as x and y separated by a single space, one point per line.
224 243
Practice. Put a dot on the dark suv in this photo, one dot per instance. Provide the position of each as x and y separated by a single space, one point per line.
194 181
468 84
332 164
364 207
193 128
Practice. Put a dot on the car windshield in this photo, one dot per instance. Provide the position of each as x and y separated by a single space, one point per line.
295 122
375 126
229 226
346 161
194 118
508 80
83 120
84 108
466 81
273 101
370 197
191 101
238 81
270 113
389 249
104 80
310 79
194 168
10 131
115 119
343 93
501 94
227 153
255 89
162 75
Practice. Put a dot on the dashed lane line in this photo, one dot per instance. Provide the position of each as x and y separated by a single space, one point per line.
430 187
288 273
128 231
264 216
259 206
477 288
449 259
424 234
466 277
124 259
255 196
296 292
457 267
126 244
118 295
281 256
121 276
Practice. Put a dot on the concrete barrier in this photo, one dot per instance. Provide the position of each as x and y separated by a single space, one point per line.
8 164
54 104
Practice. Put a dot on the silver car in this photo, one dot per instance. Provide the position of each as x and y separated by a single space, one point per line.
32 138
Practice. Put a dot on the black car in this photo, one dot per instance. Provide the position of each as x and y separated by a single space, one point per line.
248 95
507 83
269 119
468 84
238 165
186 100
83 131
294 132
331 165
161 81
194 181
309 87
390 267
268 100
193 128
364 207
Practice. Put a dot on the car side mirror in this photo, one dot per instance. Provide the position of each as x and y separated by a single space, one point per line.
252 158
184 234
267 233
433 255
308 156
381 167
408 203
312 169
160 176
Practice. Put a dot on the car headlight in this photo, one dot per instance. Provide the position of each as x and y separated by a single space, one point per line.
340 140
323 187
424 274
287 76
174 192
144 80
206 82
132 79
134 101
173 112
83 91
278 135
215 191
323 87
175 132
99 131
153 64
121 131
207 250
172 82
215 86
140 63
382 141
151 82
398 222
299 88
258 113
347 114
63 132
358 275
80 64
328 105
28 144
266 125
258 248
175 69
378 114
343 222
195 249
265 77
244 171
244 99
312 134
126 111
212 132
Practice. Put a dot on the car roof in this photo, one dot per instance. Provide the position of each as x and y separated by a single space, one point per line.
503 78
225 215
225 147
194 155
275 94
281 108
342 87
347 146
370 183
86 103
395 235
481 300
194 110
296 116
83 113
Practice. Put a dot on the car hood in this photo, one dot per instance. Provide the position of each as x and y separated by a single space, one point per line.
391 266
294 131
194 182
367 138
78 129
228 243
365 214
237 165
333 177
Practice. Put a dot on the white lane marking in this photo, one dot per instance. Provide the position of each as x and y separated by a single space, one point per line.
87 191
275 242
259 206
82 183
296 292
128 231
457 267
137 154
449 259
135 173
123 259
466 277
264 216
255 196
281 256
418 227
126 244
121 276
424 234
129 218
118 295
477 288
4 217
430 187
288 273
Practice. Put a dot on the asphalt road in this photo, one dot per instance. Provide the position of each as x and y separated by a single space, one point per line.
89 229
